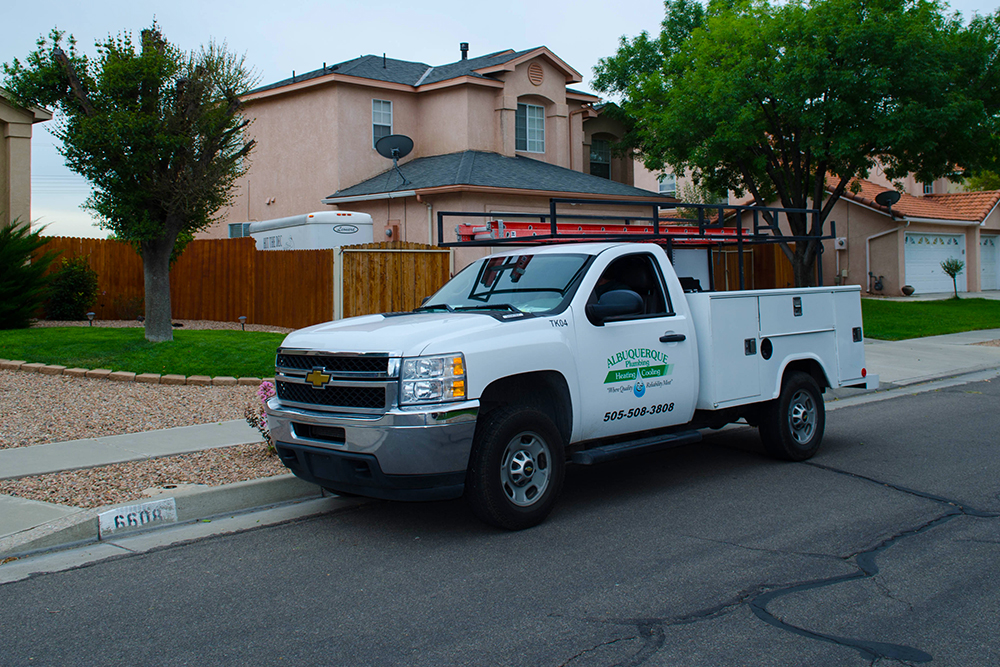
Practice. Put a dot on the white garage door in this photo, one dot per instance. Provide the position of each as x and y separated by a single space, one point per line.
924 254
989 261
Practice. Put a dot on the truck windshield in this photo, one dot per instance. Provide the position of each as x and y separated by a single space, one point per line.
525 283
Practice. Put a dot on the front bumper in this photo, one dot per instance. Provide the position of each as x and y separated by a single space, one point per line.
405 454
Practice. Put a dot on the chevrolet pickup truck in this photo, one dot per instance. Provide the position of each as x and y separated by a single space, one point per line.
535 358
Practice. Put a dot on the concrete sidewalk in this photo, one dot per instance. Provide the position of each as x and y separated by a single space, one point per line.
27 525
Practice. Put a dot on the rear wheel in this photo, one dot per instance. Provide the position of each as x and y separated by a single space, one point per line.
516 469
791 427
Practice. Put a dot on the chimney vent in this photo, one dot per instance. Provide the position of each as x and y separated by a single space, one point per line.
464 48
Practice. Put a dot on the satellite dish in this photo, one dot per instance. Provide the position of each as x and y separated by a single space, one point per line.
394 147
886 198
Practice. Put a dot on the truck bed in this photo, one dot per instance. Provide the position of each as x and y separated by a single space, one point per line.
745 339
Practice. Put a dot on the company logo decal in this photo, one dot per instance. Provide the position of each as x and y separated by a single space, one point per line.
346 229
639 389
637 364
317 378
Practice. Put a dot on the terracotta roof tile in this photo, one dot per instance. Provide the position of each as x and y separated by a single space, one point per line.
975 205
965 206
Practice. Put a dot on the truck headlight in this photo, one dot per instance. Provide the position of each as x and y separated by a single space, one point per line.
432 379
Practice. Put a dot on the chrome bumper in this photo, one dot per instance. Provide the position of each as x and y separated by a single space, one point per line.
429 440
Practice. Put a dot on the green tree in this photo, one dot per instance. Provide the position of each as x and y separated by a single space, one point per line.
984 180
158 133
787 101
953 267
23 283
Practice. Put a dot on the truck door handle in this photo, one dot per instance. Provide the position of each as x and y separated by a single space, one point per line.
672 338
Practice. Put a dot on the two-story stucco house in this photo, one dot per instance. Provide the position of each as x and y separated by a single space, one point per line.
497 133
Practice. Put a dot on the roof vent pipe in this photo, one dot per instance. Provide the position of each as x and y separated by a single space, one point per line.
464 48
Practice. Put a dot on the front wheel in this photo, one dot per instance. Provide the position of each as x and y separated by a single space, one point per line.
516 469
791 426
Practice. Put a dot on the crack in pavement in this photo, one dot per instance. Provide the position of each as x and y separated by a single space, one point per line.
652 630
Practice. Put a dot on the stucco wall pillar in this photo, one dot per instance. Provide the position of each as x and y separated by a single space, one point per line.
973 272
15 173
557 119
506 137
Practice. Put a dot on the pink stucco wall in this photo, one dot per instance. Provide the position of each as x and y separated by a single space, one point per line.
314 138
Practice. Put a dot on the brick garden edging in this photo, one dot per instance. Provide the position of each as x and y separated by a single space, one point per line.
124 376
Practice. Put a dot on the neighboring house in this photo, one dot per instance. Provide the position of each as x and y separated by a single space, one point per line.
15 158
498 133
906 244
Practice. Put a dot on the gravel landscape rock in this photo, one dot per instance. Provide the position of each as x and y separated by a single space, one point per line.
36 409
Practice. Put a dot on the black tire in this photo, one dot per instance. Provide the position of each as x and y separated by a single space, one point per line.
791 426
516 468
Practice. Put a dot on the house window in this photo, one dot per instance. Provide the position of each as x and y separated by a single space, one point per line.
668 185
600 158
238 230
529 128
928 188
381 119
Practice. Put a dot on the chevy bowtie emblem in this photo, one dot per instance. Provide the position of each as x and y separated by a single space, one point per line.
317 378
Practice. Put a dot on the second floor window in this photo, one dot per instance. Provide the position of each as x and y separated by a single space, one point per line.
668 185
600 158
928 188
529 130
381 120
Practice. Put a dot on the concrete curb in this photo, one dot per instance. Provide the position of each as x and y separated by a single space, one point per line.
847 392
193 504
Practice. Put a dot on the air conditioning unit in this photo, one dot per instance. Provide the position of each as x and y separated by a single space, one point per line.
840 243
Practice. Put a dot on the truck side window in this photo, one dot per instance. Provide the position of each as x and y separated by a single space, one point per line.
638 274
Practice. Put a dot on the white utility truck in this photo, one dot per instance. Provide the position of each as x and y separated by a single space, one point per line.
535 357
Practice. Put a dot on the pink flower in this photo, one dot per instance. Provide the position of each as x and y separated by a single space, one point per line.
265 391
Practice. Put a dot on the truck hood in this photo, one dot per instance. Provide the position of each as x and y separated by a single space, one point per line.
405 334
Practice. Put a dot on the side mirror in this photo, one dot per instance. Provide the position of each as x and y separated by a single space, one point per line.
425 300
616 303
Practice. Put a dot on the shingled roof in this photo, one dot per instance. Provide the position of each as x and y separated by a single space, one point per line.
958 206
380 68
492 170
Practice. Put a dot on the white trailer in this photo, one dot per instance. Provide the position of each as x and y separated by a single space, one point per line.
313 231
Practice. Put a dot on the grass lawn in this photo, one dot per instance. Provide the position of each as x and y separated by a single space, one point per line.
236 353
897 320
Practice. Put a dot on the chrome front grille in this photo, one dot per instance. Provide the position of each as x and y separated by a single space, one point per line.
372 398
358 383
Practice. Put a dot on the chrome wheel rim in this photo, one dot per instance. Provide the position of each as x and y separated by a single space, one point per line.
802 415
525 469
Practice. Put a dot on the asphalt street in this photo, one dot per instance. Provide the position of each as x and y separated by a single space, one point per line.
882 550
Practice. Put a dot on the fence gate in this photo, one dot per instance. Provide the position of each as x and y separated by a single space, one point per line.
386 277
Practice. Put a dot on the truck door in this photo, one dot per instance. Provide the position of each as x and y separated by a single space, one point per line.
636 372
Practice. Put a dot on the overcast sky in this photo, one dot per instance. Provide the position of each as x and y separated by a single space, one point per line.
280 37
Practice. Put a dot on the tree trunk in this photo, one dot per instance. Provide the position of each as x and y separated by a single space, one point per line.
156 275
804 264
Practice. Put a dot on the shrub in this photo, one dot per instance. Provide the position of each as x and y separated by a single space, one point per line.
257 418
73 290
22 278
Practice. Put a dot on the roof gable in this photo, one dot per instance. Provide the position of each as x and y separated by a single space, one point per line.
408 73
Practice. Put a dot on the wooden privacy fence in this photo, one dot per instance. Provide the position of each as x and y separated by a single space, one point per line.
222 279
392 276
